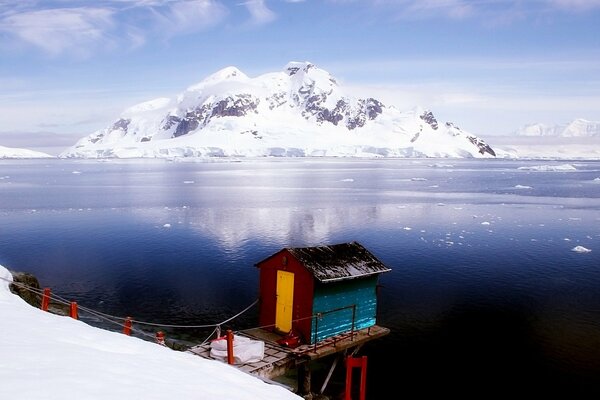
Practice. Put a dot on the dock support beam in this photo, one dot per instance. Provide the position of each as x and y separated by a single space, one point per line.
329 375
304 379
356 362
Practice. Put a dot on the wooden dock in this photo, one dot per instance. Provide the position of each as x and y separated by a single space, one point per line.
278 359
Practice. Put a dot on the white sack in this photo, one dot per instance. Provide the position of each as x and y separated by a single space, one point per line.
245 350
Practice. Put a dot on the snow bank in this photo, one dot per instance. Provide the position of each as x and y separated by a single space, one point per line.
50 357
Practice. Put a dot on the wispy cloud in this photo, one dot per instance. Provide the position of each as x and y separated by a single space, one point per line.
259 12
183 17
57 30
457 9
72 26
496 12
575 5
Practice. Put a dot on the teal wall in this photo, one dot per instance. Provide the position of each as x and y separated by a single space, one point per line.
331 296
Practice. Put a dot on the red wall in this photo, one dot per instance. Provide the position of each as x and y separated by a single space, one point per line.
303 292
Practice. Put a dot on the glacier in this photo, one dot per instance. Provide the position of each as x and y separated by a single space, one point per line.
13 152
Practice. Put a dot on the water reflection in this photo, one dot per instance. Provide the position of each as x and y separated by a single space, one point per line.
484 286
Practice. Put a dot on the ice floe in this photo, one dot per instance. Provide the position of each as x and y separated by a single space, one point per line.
580 249
562 167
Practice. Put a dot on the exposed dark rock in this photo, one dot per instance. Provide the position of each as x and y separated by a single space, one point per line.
414 138
170 121
146 139
483 147
253 133
188 124
428 117
33 297
191 121
292 70
237 106
29 280
277 100
121 124
374 108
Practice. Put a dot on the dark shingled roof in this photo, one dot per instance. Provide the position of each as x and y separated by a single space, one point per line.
338 261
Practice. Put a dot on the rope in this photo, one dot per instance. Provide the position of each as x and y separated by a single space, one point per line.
112 318
197 326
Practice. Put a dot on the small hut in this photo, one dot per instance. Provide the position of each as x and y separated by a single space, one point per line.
319 292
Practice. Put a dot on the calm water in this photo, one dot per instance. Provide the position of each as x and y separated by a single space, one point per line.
485 297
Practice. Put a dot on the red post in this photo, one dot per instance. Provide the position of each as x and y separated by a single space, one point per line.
73 310
160 338
229 347
127 326
361 363
46 299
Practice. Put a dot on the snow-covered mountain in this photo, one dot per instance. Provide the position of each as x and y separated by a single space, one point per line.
11 152
576 128
300 111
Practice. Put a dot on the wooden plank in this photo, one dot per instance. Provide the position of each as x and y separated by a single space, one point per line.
279 360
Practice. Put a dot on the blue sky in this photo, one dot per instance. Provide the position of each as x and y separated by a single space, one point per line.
70 67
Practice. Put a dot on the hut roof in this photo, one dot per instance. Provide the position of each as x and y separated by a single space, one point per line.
338 261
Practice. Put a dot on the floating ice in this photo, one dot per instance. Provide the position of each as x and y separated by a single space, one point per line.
407 228
522 187
166 225
597 179
347 180
439 165
188 182
76 172
562 167
580 249
418 179
485 223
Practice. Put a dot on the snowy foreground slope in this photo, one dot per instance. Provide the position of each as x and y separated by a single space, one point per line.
299 111
50 357
11 152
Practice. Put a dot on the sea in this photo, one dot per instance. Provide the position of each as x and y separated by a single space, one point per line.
494 288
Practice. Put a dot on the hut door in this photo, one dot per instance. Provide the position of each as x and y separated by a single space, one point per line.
285 301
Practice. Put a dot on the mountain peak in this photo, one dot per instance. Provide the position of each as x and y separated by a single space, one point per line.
577 128
230 73
293 67
300 112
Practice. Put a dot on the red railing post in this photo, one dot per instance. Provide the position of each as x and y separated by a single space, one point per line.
229 347
45 299
127 326
73 310
160 338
